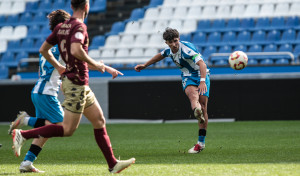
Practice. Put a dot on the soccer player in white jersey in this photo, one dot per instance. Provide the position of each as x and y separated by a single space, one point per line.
195 78
44 98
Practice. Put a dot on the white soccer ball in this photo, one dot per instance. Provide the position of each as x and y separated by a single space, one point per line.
238 60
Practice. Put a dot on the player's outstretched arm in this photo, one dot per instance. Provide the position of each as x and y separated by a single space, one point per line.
114 72
45 51
78 52
153 60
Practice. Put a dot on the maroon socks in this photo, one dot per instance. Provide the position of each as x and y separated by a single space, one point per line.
47 131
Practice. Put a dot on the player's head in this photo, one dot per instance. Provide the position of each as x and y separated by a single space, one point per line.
171 37
83 5
56 17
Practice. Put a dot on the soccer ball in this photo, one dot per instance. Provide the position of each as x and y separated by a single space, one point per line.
238 60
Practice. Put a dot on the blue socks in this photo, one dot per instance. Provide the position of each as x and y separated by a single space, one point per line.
32 121
202 135
30 156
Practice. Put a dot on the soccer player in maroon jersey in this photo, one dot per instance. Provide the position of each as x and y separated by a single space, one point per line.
72 39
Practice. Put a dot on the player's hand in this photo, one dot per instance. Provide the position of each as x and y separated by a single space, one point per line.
202 89
101 66
115 73
61 70
139 67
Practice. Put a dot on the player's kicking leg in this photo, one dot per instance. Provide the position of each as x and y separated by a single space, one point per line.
18 141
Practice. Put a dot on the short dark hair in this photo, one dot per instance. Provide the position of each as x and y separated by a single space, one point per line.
56 17
170 34
78 3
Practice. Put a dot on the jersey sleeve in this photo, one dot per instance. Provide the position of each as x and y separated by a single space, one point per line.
197 57
78 34
52 38
165 52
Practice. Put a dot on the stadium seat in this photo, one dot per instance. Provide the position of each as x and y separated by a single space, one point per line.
3 46
273 36
32 6
13 45
233 24
40 18
221 62
94 53
33 31
136 14
37 44
189 25
214 38
19 32
132 27
116 28
282 9
243 37
150 52
45 6
193 12
267 10
297 52
154 3
176 24
208 51
166 13
180 12
45 31
251 11
240 47
207 12
122 53
277 23
140 40
4 72
2 20
8 59
229 38
262 23
288 36
292 22
151 14
112 41
6 32
218 25
21 55
252 61
186 37
170 3
282 61
107 53
58 4
285 48
147 27
294 9
5 8
267 62
183 3
270 48
204 25
27 44
136 53
247 23
12 20
25 18
259 37
237 11
127 41
225 49
254 48
156 40
97 41
223 11
18 7
199 39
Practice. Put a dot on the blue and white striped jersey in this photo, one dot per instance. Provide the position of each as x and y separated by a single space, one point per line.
186 58
49 81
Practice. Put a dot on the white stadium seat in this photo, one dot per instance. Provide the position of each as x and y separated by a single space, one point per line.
170 3
18 7
123 52
6 32
208 12
141 40
282 9
112 41
95 53
19 32
3 46
295 9
223 11
237 11
252 10
147 27
137 52
267 10
177 24
194 12
151 14
107 53
5 8
132 27
156 40
180 13
127 41
160 26
150 52
189 26
166 13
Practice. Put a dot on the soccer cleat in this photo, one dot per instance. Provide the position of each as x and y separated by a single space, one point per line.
27 166
121 165
19 121
18 141
198 113
197 148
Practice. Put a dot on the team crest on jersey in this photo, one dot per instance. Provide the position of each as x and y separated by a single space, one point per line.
79 35
80 29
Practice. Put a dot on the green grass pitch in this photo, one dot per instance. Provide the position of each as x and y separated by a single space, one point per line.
237 148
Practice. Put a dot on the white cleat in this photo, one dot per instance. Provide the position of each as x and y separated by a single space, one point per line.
121 165
27 166
197 148
198 113
19 121
18 141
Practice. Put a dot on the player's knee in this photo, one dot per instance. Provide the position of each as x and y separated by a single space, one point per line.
68 131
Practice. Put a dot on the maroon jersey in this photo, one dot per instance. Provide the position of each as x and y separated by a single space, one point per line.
64 34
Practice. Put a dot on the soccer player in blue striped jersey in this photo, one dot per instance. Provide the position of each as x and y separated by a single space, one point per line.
195 78
44 97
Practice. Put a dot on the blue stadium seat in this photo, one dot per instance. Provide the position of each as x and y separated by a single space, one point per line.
97 42
199 39
292 22
208 51
262 23
8 59
259 37
58 4
288 36
240 48
21 55
186 37
40 18
247 23
218 25
116 28
32 6
45 31
154 3
33 31
252 61
243 37
269 48
273 36
277 23
285 48
229 38
297 51
2 20
254 48
282 61
136 14
38 43
4 72
233 24
25 18
204 25
45 6
98 6
225 49
12 20
221 62
267 62
13 45
27 44
214 38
